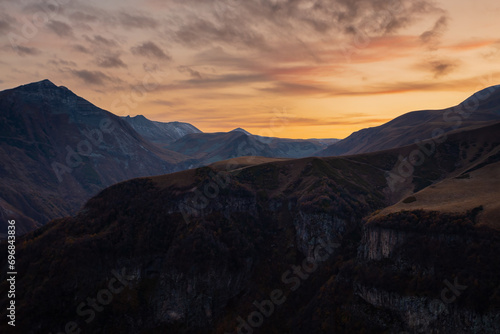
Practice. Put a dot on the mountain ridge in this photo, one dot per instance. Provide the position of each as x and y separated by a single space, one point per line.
482 106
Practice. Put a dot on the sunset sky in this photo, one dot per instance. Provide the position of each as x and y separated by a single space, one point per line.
284 68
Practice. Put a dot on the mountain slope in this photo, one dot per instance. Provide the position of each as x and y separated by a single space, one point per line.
199 249
415 126
159 132
57 150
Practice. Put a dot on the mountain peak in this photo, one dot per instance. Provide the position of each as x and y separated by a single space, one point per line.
241 130
44 83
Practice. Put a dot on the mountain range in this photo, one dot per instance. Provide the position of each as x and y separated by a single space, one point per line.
57 150
347 244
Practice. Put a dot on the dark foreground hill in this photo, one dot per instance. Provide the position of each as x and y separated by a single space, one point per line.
269 246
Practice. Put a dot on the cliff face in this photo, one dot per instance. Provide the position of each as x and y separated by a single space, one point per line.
312 227
379 243
430 295
429 315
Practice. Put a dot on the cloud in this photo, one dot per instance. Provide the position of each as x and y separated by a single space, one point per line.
344 120
439 67
4 26
472 45
98 41
190 71
218 56
287 88
92 77
202 31
150 50
27 51
6 21
268 25
110 61
80 16
432 36
62 62
60 28
80 48
164 103
137 21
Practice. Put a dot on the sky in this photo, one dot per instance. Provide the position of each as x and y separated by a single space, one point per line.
283 68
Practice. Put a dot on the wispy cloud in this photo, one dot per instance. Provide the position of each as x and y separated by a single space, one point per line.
27 51
439 67
151 50
110 61
60 28
432 36
92 77
130 21
190 71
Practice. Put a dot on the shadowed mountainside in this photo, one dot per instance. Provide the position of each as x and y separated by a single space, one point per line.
57 150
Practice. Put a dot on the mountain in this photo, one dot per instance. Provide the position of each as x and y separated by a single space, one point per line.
275 246
57 150
416 126
207 148
159 132
241 130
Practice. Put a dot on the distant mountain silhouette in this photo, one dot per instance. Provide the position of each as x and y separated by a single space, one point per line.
212 147
482 106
